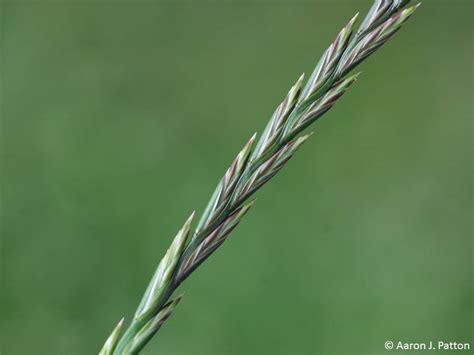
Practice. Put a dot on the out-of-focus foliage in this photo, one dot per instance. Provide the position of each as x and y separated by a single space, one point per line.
118 119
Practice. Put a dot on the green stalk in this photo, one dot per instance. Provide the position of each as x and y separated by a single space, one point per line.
254 166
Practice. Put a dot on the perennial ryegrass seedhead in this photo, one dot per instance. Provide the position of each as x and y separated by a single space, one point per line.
255 165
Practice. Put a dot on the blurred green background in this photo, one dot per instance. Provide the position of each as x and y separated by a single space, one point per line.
118 120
